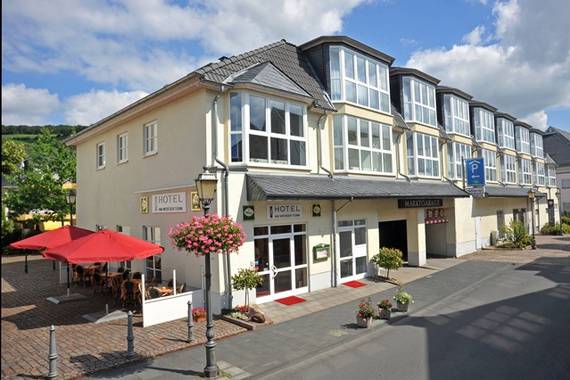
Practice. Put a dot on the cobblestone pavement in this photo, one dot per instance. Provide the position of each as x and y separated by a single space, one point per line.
83 347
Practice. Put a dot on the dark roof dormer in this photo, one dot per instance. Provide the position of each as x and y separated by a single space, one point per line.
350 43
406 71
479 104
519 123
453 91
505 116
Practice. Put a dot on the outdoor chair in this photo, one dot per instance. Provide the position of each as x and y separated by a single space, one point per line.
181 288
97 283
116 287
129 294
78 274
153 292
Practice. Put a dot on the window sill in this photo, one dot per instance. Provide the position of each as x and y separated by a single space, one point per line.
122 162
151 154
386 113
100 168
263 165
367 173
421 123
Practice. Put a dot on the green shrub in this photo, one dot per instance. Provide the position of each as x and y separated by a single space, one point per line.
403 297
566 219
388 258
246 279
554 229
516 235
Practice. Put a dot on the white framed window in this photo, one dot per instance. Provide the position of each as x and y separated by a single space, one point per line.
509 166
150 138
456 115
490 159
506 133
127 231
267 130
424 152
484 125
525 171
536 148
552 176
362 145
122 148
540 173
419 101
153 264
456 152
358 79
522 136
100 159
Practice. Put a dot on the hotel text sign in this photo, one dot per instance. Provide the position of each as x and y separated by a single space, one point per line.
169 202
281 211
418 203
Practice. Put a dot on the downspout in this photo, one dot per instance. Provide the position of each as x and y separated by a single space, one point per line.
335 231
320 149
398 164
225 198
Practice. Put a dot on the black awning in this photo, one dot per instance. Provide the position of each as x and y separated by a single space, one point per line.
506 191
261 187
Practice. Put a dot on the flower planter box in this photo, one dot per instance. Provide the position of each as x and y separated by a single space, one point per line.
385 314
364 322
403 307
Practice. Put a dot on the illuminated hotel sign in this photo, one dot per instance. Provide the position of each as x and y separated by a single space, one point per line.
280 211
169 202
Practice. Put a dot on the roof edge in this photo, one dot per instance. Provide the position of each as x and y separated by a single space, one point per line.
341 39
396 71
453 90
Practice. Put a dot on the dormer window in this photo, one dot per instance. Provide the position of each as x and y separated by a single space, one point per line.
419 101
456 115
505 133
484 125
522 136
358 79
536 148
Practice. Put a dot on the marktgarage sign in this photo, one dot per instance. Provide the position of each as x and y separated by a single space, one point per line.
419 203
169 202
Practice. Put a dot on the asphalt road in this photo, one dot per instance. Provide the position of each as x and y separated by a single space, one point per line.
476 320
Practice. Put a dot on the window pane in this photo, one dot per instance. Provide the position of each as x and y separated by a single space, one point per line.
300 250
298 153
353 159
374 101
283 229
364 138
300 278
278 150
377 161
352 131
338 159
383 78
335 89
386 137
387 162
296 120
360 263
335 63
235 105
258 148
260 231
237 154
350 88
337 126
282 252
360 236
257 113
362 95
277 117
372 78
376 136
384 102
366 163
361 69
348 64
346 268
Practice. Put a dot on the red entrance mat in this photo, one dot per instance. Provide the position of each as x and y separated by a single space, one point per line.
354 284
290 300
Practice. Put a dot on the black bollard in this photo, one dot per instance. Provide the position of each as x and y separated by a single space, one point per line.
26 264
190 323
52 356
130 336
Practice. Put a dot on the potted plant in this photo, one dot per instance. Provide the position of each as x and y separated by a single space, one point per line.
385 309
365 313
389 259
199 314
403 300
246 279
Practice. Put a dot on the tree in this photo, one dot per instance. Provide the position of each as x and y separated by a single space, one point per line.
13 155
246 279
39 186
388 258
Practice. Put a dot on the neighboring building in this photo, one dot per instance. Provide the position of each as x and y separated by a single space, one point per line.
324 144
557 146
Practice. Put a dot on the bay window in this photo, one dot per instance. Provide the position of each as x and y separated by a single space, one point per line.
522 136
362 145
509 166
525 171
358 79
540 173
506 133
456 153
266 130
490 159
423 155
456 115
536 148
551 175
484 125
419 101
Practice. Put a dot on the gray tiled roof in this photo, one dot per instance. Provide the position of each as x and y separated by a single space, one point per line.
268 186
267 75
285 56
506 191
557 145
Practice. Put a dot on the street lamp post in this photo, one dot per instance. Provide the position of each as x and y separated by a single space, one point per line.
70 198
531 196
206 184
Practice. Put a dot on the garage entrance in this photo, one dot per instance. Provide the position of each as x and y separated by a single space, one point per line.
393 234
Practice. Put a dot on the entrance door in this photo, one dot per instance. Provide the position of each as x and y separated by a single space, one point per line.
352 249
281 260
393 234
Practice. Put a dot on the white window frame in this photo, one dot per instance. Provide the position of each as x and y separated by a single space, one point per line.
152 234
525 171
456 152
424 104
150 140
509 166
122 148
484 122
536 145
506 133
540 173
100 155
345 146
490 159
456 115
551 175
418 158
522 136
246 131
382 79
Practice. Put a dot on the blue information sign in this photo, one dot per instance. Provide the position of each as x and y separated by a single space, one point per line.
475 168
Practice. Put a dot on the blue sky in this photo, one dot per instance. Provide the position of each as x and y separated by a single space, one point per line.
78 61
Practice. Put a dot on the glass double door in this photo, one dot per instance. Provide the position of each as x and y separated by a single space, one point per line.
352 249
281 261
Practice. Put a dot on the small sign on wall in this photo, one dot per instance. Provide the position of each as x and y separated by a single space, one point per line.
321 252
195 201
248 213
144 204
419 203
169 202
281 211
316 209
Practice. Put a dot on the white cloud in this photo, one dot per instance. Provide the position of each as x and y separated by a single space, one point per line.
475 37
525 71
141 44
24 106
87 108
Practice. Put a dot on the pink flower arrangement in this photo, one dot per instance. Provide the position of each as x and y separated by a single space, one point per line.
208 234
